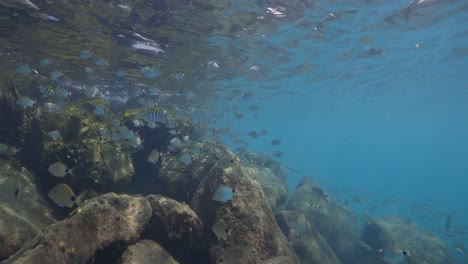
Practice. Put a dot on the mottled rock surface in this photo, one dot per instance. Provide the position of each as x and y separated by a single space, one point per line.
305 239
146 252
269 174
395 236
102 221
23 212
253 233
336 225
175 226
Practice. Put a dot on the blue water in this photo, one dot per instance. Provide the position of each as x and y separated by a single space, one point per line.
369 98
389 125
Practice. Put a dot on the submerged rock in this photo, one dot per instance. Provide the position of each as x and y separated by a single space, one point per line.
96 162
23 212
338 227
146 252
176 227
305 239
253 233
393 239
100 223
269 174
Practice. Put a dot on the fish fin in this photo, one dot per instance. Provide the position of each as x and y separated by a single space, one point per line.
80 199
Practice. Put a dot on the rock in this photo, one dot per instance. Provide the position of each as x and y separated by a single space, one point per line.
23 212
146 252
175 226
401 239
336 225
253 235
102 221
99 164
306 241
270 175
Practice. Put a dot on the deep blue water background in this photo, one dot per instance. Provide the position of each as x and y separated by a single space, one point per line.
390 124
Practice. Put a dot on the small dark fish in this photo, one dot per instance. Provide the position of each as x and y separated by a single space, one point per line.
276 142
277 153
239 116
247 96
263 132
448 222
253 134
292 169
254 108
357 200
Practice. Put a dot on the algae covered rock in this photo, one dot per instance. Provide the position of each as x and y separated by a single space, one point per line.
23 212
97 162
146 252
252 235
336 225
175 226
304 238
103 221
394 239
269 174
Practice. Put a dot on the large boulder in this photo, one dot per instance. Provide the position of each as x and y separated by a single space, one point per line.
176 227
392 239
336 225
102 222
146 252
23 212
243 229
270 174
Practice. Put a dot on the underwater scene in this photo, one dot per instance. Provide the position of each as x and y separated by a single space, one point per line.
234 131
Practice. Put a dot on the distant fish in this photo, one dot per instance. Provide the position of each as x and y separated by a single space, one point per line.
221 230
153 157
247 96
62 195
150 46
7 150
277 153
54 134
10 190
179 76
18 4
276 142
448 222
150 72
99 110
175 142
186 159
101 62
460 249
45 62
85 54
291 169
253 134
152 91
47 90
25 102
58 169
121 74
156 115
55 75
62 93
223 194
224 163
88 70
263 132
135 142
24 69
